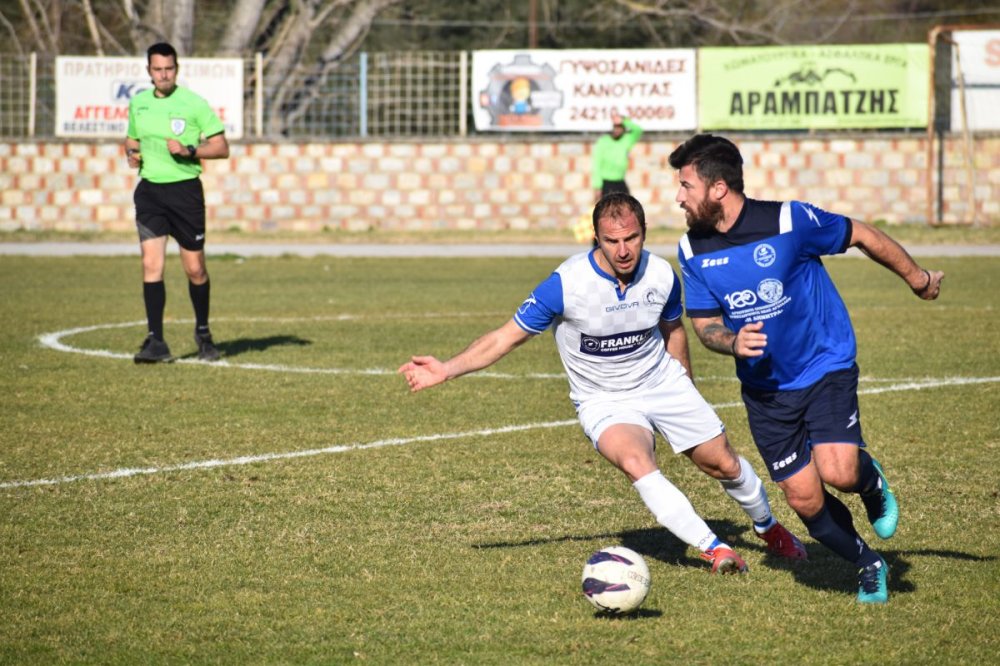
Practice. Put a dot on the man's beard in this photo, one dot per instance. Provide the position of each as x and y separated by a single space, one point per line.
704 220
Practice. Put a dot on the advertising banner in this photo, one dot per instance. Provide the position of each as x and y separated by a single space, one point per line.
92 93
813 87
979 53
577 90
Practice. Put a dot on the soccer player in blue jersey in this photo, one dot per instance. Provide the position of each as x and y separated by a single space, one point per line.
757 290
615 312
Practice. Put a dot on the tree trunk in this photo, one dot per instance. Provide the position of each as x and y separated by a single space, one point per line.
243 21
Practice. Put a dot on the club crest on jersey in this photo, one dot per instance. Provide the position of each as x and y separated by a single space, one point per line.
178 125
770 290
764 255
652 299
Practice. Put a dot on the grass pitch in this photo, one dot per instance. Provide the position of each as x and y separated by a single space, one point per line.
296 504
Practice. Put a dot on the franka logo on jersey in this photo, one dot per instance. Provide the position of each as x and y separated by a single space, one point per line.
613 345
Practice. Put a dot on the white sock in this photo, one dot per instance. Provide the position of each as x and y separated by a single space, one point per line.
673 510
749 493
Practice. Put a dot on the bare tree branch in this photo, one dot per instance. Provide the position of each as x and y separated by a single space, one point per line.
9 27
29 17
95 34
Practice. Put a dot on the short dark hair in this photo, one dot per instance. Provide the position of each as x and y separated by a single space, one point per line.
714 158
615 205
161 49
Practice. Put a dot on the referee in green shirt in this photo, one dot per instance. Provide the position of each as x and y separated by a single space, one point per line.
610 156
170 130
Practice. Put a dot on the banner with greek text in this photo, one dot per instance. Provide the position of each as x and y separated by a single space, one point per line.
813 87
92 93
577 90
978 52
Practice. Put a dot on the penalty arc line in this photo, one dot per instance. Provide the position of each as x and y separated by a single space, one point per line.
401 441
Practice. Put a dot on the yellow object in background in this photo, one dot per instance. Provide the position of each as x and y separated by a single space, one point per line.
583 230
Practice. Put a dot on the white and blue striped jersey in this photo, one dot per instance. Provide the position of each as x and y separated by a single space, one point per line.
609 340
767 267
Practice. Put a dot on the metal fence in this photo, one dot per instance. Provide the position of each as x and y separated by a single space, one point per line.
382 95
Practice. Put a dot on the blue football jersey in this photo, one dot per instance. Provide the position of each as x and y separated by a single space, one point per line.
767 267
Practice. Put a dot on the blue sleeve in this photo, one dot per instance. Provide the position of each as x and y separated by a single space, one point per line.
673 308
545 303
818 232
697 297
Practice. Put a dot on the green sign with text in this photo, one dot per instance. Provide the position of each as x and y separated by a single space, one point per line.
813 87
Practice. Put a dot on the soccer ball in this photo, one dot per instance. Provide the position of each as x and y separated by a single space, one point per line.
616 580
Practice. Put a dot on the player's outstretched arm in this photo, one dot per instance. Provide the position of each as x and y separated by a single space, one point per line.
426 371
880 247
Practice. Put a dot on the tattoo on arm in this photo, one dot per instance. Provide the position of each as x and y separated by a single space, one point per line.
717 337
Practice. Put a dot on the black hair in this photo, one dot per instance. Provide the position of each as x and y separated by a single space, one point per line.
714 158
615 205
161 49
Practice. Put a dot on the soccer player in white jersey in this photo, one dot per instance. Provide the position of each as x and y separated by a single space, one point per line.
755 289
616 314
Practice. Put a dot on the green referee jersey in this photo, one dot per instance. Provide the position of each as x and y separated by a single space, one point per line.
610 155
183 116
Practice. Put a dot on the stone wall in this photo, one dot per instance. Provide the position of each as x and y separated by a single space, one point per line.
485 183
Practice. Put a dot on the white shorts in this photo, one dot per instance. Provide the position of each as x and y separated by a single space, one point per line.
674 408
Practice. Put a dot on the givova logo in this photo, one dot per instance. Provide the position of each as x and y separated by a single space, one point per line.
614 345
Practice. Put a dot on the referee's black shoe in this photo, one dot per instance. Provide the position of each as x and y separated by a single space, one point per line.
206 348
153 351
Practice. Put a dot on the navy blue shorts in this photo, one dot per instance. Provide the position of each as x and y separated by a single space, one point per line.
786 424
175 209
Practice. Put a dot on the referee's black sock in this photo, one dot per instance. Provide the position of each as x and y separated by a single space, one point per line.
199 300
154 294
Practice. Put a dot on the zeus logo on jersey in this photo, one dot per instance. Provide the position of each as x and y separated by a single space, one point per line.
528 302
708 263
614 345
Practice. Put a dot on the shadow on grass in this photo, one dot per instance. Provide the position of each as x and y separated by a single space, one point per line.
656 543
823 570
231 348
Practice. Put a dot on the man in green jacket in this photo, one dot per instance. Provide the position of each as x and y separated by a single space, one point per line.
610 156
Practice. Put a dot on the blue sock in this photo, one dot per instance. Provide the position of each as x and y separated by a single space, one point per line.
834 528
868 478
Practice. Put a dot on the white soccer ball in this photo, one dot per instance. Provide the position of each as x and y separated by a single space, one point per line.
616 580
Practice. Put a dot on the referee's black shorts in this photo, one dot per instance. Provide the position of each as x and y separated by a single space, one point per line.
175 209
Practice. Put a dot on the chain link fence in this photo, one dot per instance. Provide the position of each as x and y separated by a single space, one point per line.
382 95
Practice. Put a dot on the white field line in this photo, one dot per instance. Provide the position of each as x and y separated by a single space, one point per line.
402 441
55 342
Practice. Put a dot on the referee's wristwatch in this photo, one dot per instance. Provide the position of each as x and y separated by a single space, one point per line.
192 150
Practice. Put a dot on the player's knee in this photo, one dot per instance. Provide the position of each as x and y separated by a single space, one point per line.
805 506
844 479
635 466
